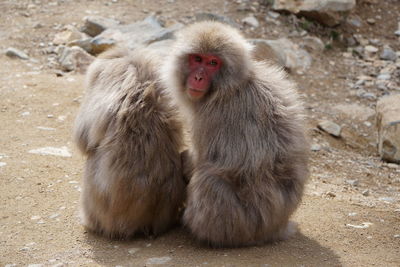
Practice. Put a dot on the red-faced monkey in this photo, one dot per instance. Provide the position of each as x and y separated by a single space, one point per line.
248 146
130 133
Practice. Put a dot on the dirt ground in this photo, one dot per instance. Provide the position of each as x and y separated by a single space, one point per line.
339 225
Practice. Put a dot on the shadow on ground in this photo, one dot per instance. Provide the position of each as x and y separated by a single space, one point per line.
177 248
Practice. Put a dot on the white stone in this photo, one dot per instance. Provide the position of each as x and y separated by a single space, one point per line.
251 21
53 151
158 261
2 164
330 127
361 226
45 128
371 49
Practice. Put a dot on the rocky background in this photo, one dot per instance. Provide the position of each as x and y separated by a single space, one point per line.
344 56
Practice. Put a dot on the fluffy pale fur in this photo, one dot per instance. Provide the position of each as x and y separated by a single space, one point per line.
249 149
132 138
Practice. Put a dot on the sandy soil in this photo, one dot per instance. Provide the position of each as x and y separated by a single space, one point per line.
39 194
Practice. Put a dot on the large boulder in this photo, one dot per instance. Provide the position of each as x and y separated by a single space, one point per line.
327 12
135 35
74 59
282 51
388 125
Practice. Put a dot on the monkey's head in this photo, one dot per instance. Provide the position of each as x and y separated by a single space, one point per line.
209 59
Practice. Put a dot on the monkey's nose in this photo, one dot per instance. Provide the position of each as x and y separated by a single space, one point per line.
198 77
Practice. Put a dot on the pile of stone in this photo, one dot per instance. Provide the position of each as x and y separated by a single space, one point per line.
75 49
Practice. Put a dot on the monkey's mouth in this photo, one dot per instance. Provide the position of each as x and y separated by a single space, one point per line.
196 93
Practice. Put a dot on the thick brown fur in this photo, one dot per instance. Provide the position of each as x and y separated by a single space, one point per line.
132 138
249 149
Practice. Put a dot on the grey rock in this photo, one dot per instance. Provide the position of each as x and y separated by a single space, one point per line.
215 17
15 53
356 22
69 34
388 127
382 85
137 34
388 54
273 14
287 53
100 44
85 44
328 12
313 43
330 127
369 96
355 111
352 182
74 59
365 192
94 25
251 21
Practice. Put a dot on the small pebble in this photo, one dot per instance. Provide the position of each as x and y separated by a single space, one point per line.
387 199
13 52
330 194
36 217
315 147
393 166
330 127
133 250
371 49
53 216
352 182
365 192
158 261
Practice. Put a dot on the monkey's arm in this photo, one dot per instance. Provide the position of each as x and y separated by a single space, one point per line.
98 108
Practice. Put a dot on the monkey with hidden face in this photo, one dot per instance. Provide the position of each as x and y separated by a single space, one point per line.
131 136
248 146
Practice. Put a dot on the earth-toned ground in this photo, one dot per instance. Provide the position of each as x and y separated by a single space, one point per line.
342 222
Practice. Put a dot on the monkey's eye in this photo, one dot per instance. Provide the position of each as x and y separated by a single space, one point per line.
213 62
197 58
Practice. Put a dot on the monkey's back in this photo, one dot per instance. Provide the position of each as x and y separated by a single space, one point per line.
133 180
252 163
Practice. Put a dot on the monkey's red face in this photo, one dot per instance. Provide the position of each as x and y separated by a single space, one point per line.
202 69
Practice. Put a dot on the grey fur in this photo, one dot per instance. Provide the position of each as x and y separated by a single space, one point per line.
132 138
249 149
